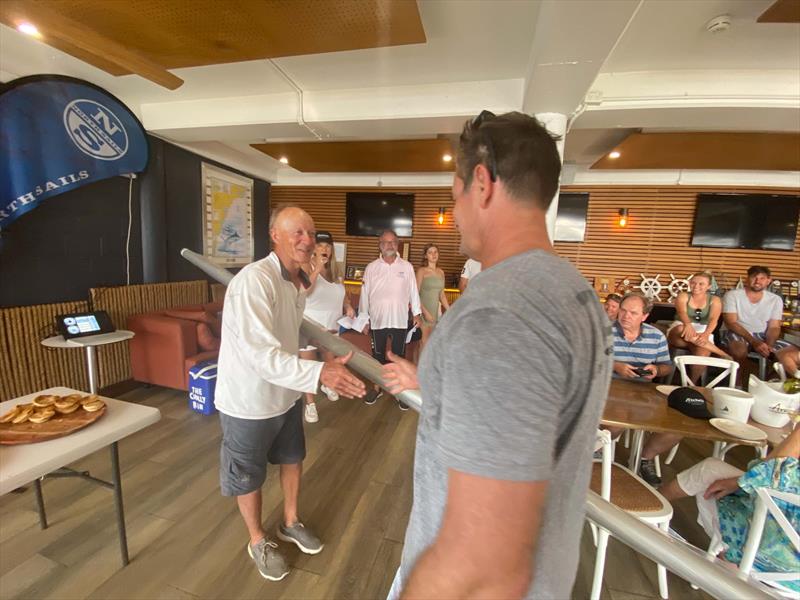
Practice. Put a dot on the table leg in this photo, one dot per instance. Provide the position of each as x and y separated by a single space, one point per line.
37 487
636 450
91 368
117 479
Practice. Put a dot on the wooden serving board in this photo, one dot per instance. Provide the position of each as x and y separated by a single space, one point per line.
58 426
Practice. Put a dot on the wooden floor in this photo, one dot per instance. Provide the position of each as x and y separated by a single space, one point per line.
186 541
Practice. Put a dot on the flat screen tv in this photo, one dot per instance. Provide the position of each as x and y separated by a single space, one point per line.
571 217
369 213
753 221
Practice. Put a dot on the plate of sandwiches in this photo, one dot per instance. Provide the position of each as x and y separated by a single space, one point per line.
49 417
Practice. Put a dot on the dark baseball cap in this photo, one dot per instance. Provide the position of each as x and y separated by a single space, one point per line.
324 237
689 401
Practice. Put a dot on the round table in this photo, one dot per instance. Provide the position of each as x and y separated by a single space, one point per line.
90 342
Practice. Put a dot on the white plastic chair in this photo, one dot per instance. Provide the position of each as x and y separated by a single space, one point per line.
729 369
604 475
765 504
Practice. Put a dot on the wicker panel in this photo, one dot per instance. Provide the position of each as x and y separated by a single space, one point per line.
27 365
627 492
121 302
655 241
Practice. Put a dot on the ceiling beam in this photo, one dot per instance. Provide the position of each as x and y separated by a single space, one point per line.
744 151
65 34
782 11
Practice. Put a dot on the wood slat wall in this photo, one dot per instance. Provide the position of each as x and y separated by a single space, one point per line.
657 238
28 366
113 360
655 241
327 206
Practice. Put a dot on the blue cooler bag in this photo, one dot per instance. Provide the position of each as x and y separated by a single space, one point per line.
202 381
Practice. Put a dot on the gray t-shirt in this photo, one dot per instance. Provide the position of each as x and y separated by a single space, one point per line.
513 382
753 317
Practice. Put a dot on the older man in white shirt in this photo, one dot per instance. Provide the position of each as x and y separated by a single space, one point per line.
389 288
260 382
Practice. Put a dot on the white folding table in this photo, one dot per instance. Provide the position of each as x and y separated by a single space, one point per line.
24 463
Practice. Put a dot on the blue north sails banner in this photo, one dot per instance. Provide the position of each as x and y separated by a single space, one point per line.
58 133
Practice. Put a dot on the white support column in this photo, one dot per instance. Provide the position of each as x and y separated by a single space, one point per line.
556 124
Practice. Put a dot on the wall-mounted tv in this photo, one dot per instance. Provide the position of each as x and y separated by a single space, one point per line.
571 217
752 221
369 213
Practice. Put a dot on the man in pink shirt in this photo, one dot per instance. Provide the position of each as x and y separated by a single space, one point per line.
388 288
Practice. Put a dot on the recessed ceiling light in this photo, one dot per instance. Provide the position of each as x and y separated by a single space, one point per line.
614 154
284 160
29 29
447 158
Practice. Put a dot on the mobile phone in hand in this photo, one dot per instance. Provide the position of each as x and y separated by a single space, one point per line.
642 372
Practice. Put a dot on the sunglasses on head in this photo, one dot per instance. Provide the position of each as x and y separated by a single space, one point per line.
487 141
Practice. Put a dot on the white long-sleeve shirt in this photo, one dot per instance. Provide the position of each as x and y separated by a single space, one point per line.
259 373
386 293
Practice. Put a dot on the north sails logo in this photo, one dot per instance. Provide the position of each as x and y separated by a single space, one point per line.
95 130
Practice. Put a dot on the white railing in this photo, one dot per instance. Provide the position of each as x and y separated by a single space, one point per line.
680 558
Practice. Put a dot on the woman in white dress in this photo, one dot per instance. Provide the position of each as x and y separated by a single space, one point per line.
326 301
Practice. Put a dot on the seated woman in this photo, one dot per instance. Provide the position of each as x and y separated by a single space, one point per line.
726 500
430 282
698 314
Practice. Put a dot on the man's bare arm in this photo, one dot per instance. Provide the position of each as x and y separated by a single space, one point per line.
484 547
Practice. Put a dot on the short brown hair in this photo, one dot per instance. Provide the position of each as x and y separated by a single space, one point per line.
759 270
647 303
517 149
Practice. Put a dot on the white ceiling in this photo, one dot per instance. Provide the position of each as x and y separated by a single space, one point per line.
616 65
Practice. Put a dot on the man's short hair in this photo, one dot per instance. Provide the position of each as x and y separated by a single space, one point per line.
273 217
757 270
392 231
614 297
515 148
647 303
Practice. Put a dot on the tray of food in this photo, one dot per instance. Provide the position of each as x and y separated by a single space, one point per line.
49 417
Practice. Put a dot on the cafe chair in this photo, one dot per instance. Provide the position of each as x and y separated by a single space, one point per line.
729 370
625 490
765 504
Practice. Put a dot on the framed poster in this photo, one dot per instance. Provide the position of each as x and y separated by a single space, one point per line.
227 217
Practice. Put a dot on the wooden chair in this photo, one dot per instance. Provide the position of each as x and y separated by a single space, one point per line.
618 485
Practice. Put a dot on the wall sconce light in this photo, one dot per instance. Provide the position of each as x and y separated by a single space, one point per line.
440 218
623 217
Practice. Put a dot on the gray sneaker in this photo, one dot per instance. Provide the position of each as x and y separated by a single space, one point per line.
302 537
271 564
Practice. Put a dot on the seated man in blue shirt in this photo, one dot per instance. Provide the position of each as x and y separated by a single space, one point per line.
641 353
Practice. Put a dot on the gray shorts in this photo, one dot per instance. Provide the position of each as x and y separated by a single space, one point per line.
248 444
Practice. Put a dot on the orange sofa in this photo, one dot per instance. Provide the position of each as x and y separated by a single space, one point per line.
166 346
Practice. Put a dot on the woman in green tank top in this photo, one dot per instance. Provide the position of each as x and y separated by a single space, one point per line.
697 314
430 281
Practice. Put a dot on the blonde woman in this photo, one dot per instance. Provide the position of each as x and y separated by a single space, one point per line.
698 313
326 301
430 282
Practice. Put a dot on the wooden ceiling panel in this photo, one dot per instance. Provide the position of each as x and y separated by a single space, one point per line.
707 150
782 11
190 33
386 156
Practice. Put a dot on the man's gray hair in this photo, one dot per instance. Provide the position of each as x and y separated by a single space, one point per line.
392 231
276 212
647 303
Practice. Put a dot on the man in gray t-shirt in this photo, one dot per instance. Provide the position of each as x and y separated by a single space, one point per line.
513 381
